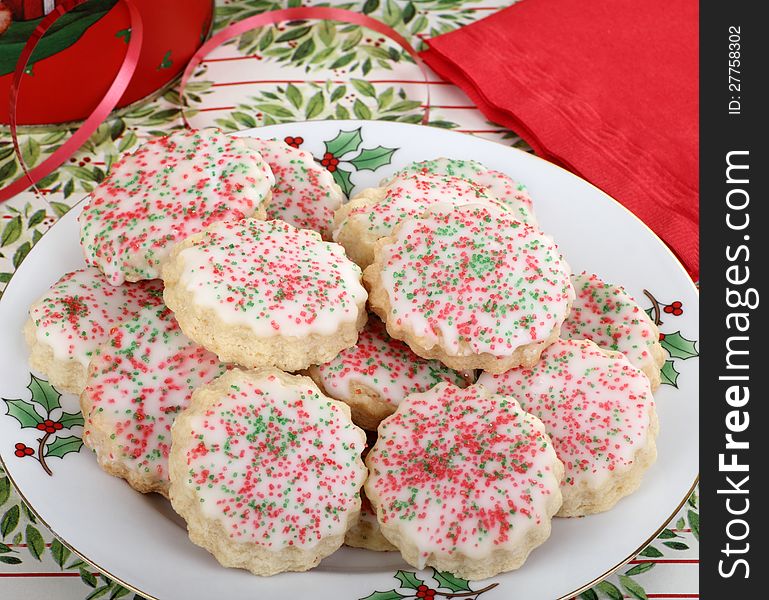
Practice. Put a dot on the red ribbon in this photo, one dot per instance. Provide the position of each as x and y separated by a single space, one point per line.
299 14
127 68
96 118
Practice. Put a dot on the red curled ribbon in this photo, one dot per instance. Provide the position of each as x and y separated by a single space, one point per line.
127 68
96 118
298 14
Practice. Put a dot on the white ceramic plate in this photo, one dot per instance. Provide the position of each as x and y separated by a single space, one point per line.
138 539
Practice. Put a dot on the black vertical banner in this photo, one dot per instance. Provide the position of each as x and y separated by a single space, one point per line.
734 169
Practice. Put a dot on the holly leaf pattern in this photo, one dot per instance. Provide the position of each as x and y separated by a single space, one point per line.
668 374
344 142
388 595
69 420
370 159
633 587
23 412
678 346
44 394
450 582
611 590
408 579
342 179
61 446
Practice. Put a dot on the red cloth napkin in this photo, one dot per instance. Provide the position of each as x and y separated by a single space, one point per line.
606 88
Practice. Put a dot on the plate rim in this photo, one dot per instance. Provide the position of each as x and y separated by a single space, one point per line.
342 122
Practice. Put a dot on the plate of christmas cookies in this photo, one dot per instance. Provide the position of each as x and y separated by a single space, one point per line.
349 359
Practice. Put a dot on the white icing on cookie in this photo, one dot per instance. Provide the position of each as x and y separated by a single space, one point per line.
606 314
383 365
461 471
139 380
168 189
474 280
272 278
305 194
495 183
76 314
596 407
276 464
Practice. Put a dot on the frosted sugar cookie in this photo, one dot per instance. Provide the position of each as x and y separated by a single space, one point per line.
599 411
464 481
375 212
373 376
606 314
471 287
266 471
495 183
138 381
263 293
169 188
305 194
71 319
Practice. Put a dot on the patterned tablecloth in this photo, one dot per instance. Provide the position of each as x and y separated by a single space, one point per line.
292 72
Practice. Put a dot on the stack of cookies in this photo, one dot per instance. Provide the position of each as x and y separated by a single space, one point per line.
415 369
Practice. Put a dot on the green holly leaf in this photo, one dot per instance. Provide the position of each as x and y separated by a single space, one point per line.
450 582
681 523
118 591
315 105
9 521
59 552
21 254
294 95
10 560
61 446
35 542
694 522
361 110
88 577
633 588
693 499
676 545
44 394
99 592
640 568
11 231
370 159
589 595
342 179
668 374
611 590
370 6
30 152
69 420
37 217
651 552
666 534
294 34
4 549
409 579
364 87
276 110
678 346
23 412
344 142
5 490
388 595
305 49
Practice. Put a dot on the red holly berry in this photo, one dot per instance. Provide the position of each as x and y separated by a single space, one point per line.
422 588
58 426
23 450
331 168
41 426
675 308
328 155
662 336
